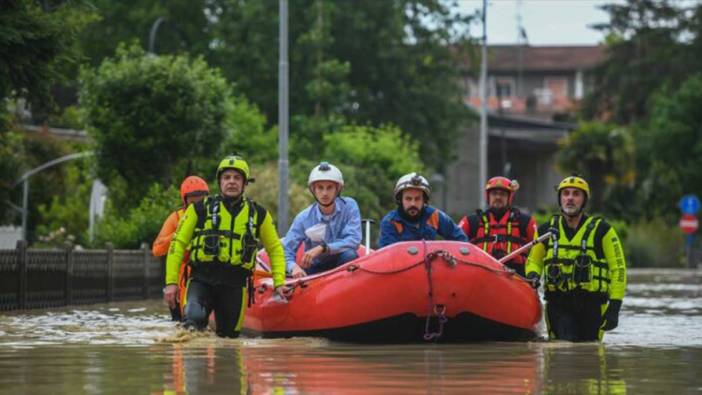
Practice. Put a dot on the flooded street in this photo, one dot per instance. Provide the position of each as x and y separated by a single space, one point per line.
131 348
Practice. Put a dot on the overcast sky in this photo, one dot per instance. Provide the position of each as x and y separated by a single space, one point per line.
547 22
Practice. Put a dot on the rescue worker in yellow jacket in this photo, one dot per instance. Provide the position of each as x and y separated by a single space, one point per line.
193 189
222 233
583 266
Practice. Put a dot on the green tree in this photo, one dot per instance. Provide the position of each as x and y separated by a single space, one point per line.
181 26
160 112
672 144
11 157
649 43
605 155
402 69
369 62
38 47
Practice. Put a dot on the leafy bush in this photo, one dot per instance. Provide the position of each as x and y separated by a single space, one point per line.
671 149
372 160
65 218
161 112
265 191
11 157
140 224
654 244
605 155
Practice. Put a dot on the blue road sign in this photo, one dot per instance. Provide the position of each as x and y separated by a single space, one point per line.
689 204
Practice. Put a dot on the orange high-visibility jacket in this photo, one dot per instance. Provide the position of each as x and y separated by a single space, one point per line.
163 240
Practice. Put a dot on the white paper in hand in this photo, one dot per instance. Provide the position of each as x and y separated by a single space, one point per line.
317 232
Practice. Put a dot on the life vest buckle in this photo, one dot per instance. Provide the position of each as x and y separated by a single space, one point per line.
554 275
581 270
211 245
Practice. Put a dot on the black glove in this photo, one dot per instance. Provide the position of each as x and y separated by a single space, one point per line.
554 232
534 279
611 316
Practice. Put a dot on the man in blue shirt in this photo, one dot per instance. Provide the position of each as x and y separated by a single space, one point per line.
329 228
414 219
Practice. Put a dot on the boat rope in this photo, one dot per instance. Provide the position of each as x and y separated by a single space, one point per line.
434 310
439 311
450 259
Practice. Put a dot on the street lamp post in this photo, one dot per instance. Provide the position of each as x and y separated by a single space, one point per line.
483 110
283 119
24 179
152 33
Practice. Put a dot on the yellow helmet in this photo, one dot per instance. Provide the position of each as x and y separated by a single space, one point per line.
574 182
234 162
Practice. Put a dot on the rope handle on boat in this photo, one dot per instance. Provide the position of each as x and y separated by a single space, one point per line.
440 313
449 258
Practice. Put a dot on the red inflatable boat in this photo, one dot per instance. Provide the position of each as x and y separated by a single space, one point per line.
406 292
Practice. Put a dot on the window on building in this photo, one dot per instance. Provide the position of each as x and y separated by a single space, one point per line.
504 87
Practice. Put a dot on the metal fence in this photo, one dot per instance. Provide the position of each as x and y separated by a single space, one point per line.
39 278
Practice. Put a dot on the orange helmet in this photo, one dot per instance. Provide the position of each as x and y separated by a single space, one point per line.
500 182
193 186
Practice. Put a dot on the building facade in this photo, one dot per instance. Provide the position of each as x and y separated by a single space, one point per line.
533 95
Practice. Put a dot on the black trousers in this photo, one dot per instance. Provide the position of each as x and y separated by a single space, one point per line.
575 316
227 301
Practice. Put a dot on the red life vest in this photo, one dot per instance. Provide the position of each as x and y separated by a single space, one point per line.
499 238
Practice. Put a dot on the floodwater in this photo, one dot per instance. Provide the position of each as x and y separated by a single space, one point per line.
131 348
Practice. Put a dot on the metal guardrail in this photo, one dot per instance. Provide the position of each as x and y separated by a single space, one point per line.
41 278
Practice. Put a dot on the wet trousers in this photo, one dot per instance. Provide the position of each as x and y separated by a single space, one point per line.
575 317
227 301
332 261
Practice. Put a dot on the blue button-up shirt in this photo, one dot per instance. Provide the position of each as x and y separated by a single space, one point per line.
343 230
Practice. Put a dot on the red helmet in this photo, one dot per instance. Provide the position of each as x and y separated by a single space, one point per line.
505 183
193 185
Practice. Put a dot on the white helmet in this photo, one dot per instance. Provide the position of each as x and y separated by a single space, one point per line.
325 171
412 180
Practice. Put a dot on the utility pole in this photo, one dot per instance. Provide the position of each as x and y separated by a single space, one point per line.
483 111
283 119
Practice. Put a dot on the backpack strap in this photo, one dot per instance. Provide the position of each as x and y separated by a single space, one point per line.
590 227
201 209
260 216
523 221
555 223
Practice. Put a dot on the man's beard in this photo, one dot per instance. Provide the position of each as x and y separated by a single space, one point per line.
412 218
570 211
498 212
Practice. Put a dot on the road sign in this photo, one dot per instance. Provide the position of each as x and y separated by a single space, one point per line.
688 223
689 204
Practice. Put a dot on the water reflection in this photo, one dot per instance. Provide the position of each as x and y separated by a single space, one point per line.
132 348
265 368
